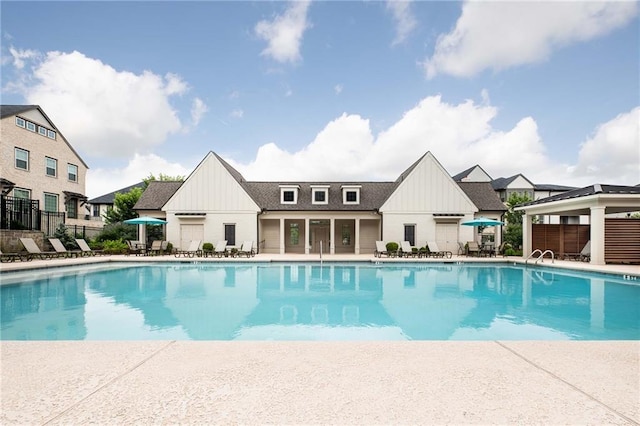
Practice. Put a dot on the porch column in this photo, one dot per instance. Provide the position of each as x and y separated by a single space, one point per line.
357 237
282 236
597 235
332 237
306 235
526 235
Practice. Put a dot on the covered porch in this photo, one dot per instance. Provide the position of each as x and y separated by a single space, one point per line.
313 232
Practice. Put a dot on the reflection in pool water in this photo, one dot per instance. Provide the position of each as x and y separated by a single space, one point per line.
311 302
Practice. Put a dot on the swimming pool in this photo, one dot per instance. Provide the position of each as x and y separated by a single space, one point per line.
309 301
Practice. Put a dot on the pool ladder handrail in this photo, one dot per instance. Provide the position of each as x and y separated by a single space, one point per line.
541 257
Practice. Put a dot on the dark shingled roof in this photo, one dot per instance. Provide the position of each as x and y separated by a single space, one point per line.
460 176
551 187
372 196
585 192
483 196
108 198
9 110
157 194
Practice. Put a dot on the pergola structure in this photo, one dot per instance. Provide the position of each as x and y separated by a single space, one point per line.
596 201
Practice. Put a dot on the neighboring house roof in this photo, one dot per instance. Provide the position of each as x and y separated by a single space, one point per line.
554 188
464 174
585 192
108 198
502 182
483 196
157 194
11 110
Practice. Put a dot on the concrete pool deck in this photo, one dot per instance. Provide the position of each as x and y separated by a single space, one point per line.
381 382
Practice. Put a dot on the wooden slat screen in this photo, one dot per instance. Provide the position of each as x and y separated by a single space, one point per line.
622 240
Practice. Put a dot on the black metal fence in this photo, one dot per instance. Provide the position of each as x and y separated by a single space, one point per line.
21 213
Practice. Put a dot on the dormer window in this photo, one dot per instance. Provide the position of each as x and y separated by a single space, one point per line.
320 194
289 194
351 194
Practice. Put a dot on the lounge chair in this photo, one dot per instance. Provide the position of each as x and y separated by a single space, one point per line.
473 249
11 257
435 251
193 250
136 247
220 249
86 250
584 255
157 247
62 250
406 250
246 249
381 249
34 250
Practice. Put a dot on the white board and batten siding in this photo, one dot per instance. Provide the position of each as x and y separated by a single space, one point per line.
427 191
212 191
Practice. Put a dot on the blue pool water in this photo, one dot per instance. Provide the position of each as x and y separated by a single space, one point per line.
188 301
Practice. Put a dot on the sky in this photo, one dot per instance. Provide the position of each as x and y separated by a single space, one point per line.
333 90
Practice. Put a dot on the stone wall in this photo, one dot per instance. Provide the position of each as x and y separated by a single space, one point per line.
10 243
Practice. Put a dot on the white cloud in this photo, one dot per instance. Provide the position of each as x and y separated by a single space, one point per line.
502 34
103 181
198 110
404 19
338 88
612 154
19 56
237 113
460 136
103 111
284 33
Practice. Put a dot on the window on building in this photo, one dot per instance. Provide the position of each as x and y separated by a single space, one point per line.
22 159
289 194
51 165
410 234
72 172
31 126
50 202
42 131
20 122
24 194
346 235
230 233
95 211
294 233
351 194
72 208
51 134
320 194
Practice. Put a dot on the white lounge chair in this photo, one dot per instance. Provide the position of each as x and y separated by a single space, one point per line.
406 249
62 250
34 250
584 255
193 250
435 251
88 251
220 249
381 249
246 249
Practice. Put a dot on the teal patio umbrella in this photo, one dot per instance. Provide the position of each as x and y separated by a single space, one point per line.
482 221
142 221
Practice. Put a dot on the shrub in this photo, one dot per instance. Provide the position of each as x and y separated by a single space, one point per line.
169 248
67 240
207 247
392 246
117 231
114 246
509 252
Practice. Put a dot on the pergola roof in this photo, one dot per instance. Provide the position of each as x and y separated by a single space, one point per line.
614 198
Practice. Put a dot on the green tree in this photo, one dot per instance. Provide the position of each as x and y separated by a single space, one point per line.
162 177
123 206
513 230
